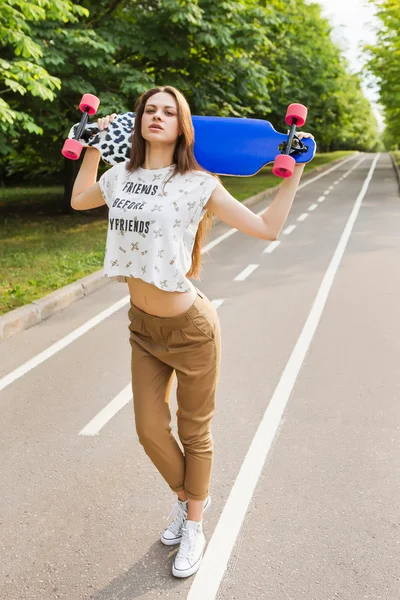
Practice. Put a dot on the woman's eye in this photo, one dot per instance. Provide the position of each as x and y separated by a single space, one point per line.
169 114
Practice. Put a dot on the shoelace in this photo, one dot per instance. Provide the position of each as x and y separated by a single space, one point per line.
188 543
179 514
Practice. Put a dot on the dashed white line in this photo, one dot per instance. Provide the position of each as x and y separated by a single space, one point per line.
313 207
303 217
321 199
289 229
326 192
122 399
212 570
309 181
65 341
218 240
74 335
246 272
271 247
217 303
108 412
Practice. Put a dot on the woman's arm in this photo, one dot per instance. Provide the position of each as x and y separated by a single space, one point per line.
277 212
86 193
265 227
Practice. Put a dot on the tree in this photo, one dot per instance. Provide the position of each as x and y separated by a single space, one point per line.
20 72
309 68
203 47
231 57
384 64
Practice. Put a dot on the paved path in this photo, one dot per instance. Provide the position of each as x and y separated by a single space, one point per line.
306 481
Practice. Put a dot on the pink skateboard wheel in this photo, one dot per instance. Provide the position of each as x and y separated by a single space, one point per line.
72 149
89 103
284 166
296 111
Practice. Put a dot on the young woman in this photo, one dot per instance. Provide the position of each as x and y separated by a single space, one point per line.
160 204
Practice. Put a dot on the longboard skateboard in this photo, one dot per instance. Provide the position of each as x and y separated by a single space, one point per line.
223 145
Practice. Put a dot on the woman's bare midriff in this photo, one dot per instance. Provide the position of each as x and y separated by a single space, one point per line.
156 302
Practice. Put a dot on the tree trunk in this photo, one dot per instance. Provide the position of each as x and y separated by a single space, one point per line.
71 168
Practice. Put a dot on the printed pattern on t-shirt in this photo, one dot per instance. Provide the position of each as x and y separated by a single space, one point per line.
152 226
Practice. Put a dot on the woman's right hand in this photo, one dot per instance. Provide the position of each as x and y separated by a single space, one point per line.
104 122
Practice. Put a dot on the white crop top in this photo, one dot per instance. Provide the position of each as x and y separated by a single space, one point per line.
150 233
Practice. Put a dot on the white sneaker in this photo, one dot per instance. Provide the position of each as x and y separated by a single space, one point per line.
190 551
173 534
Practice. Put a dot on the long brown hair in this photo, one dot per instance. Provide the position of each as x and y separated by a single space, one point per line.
183 158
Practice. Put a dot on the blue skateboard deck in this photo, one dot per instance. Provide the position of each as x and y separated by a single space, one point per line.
223 145
236 146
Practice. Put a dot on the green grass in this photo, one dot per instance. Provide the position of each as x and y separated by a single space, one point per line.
43 253
30 199
42 250
396 155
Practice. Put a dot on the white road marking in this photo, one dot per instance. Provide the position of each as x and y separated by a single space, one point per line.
336 182
125 396
326 193
108 412
271 247
217 303
303 217
74 335
313 207
246 272
301 186
71 337
122 399
289 229
321 199
218 240
331 187
215 561
65 341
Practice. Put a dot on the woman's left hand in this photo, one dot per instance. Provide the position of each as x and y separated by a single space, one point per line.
303 134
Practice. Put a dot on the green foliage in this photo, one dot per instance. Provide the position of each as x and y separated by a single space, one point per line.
229 57
308 68
20 71
384 64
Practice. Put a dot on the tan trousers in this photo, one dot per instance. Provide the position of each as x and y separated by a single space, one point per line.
187 345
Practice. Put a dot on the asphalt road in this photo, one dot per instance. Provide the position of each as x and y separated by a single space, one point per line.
306 483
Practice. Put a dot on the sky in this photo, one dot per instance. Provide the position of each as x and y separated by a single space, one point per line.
354 22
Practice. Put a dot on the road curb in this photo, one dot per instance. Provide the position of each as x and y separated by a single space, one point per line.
31 314
396 169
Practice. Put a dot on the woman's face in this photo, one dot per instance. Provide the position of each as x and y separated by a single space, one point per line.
160 119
